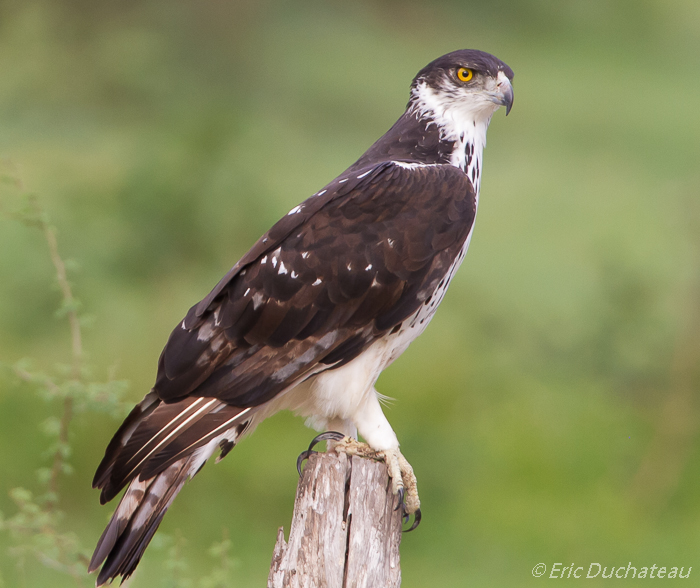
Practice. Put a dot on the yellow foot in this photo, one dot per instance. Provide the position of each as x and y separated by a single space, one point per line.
403 480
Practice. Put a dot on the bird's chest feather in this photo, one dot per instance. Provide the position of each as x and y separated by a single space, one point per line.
414 325
339 392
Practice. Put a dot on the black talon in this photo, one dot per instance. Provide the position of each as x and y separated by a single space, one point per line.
405 517
300 460
416 521
327 436
400 504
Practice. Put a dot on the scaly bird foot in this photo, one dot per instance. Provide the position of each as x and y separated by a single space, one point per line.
403 480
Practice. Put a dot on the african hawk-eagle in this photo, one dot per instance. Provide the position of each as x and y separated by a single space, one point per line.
320 305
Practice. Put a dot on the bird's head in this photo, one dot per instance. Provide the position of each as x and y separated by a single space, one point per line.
461 89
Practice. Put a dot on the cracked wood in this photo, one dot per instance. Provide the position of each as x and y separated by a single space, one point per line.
345 532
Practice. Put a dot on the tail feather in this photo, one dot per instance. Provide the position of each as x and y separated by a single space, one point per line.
156 435
137 415
119 521
232 420
136 519
164 427
155 451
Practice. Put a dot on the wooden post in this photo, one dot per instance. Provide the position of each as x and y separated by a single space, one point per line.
345 532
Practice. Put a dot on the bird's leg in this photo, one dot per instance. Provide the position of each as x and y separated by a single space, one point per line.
403 480
376 430
404 483
382 445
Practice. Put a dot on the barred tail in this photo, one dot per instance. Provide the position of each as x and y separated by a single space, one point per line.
155 451
135 521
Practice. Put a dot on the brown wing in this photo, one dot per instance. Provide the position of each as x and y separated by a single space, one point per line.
344 268
339 271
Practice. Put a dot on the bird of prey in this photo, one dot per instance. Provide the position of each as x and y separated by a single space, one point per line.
309 317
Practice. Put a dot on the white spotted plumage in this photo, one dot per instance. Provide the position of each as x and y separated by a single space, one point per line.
309 317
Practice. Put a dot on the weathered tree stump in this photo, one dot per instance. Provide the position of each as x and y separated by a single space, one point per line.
345 530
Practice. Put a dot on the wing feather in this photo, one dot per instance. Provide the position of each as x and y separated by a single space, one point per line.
316 290
356 258
320 286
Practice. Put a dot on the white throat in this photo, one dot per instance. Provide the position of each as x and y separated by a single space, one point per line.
461 118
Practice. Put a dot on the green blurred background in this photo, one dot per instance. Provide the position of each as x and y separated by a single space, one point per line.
551 409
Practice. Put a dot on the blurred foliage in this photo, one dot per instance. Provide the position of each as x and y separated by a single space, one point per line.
36 527
551 408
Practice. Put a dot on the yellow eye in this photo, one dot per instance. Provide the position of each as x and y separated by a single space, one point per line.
464 74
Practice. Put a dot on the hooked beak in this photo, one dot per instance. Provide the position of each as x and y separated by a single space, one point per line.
504 95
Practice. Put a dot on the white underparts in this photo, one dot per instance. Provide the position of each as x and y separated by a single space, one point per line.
344 399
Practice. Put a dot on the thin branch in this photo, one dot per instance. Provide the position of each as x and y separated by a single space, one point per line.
58 456
38 518
69 303
68 299
25 376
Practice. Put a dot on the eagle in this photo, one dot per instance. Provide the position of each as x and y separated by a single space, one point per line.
309 317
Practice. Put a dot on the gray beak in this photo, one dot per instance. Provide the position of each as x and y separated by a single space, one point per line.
505 95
